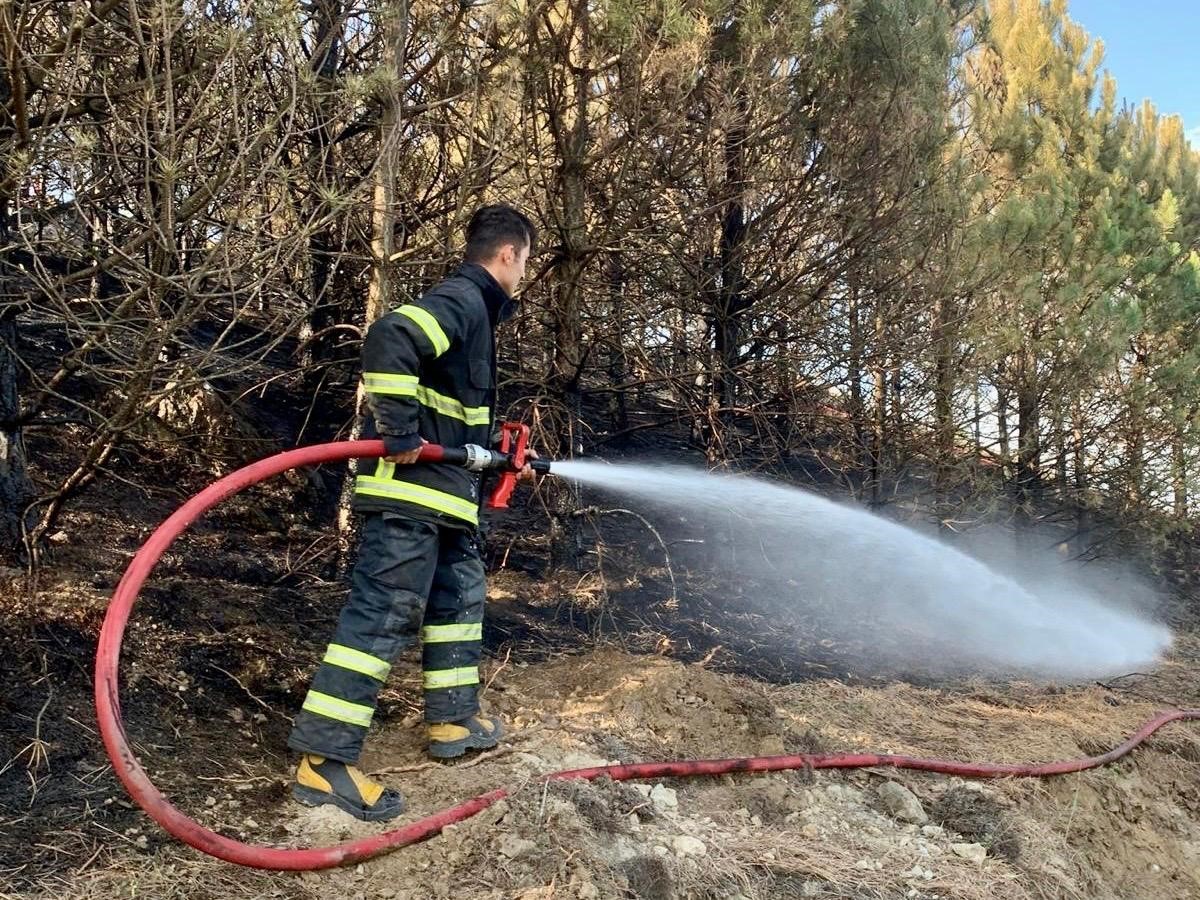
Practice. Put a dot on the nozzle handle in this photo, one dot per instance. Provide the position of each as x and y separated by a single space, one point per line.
514 438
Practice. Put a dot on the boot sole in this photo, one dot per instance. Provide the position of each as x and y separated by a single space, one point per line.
381 812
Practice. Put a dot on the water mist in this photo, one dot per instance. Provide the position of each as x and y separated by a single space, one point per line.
868 579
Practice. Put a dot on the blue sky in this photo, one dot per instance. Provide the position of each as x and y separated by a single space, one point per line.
1150 48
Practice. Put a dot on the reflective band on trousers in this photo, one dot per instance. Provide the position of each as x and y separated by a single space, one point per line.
391 384
357 661
341 710
428 324
390 489
441 634
449 678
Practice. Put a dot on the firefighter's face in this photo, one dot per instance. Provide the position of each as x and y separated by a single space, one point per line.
511 270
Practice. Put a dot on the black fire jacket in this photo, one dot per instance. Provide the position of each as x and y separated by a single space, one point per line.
429 370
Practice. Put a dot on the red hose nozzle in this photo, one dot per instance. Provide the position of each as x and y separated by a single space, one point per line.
514 437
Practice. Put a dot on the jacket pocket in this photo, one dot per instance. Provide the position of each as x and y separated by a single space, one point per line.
480 374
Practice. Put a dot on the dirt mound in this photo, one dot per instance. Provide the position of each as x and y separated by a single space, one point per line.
1129 830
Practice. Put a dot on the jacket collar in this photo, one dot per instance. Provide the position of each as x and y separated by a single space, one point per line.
499 305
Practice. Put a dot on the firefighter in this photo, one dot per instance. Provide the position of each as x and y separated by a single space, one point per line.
429 370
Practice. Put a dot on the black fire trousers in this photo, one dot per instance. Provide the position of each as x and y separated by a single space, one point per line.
412 580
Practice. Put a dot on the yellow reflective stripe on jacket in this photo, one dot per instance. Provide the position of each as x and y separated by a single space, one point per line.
428 324
357 661
390 489
448 406
440 634
392 384
341 710
448 678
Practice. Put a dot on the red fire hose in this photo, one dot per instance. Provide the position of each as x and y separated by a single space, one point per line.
133 776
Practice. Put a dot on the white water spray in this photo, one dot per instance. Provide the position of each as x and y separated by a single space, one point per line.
869 578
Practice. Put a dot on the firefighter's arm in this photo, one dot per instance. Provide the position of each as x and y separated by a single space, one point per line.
397 346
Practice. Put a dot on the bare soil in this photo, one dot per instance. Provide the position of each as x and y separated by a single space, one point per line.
1130 830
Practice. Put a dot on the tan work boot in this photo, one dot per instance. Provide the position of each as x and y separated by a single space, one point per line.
322 781
448 740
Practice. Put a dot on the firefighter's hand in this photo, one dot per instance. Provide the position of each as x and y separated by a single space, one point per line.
405 459
527 473
408 457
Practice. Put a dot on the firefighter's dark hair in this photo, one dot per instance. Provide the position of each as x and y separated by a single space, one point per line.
491 227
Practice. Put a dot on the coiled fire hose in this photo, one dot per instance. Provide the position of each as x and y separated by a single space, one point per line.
148 797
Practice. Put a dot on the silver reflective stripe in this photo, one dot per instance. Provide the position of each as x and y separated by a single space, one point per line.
440 634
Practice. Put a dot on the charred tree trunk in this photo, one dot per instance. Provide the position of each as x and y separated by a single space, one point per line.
731 297
573 135
1004 432
16 489
570 128
1028 468
324 247
1059 431
854 375
1083 509
1179 474
732 301
617 371
878 447
383 210
1135 439
943 400
977 420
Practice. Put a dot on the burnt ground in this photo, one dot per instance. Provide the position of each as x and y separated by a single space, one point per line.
228 630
